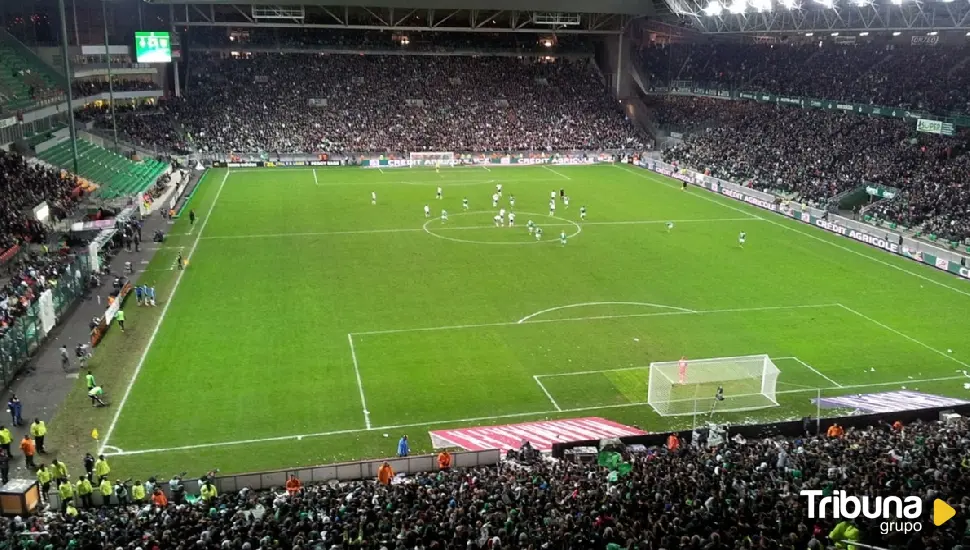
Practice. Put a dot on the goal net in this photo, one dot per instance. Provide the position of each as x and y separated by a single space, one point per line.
428 158
677 388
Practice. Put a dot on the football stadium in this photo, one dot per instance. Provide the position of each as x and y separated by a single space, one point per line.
633 275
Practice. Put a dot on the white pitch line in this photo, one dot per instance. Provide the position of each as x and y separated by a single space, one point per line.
549 395
560 174
314 234
584 304
662 179
315 180
158 324
460 228
360 384
487 169
593 318
381 170
816 371
906 336
298 437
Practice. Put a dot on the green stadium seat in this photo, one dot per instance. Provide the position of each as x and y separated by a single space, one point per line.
116 175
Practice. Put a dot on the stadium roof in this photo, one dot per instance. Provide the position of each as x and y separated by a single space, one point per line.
560 16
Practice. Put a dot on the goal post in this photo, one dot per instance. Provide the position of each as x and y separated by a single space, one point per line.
748 382
432 158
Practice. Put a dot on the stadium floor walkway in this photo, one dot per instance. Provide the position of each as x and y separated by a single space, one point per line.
43 389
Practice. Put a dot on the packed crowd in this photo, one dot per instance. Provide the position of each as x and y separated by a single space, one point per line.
347 103
22 187
218 37
736 495
85 88
817 154
876 73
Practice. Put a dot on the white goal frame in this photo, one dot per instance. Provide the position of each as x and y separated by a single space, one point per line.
432 158
749 382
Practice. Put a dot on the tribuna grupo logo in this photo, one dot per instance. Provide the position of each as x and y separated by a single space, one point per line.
897 514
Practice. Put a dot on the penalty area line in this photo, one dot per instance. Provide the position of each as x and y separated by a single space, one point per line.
906 336
360 384
549 395
298 437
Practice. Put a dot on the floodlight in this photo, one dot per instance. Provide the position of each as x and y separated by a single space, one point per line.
713 8
897 33
761 5
932 33
864 33
835 34
737 6
810 34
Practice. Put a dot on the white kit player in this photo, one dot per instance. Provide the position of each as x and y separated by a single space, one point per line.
511 201
565 201
552 195
531 225
438 195
670 226
373 197
511 219
741 239
582 212
444 215
498 221
427 211
501 216
538 233
552 207
494 200
498 189
464 203
562 238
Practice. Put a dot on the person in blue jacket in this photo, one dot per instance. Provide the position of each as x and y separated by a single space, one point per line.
402 447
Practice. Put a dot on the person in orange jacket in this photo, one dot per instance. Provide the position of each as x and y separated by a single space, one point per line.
159 499
444 460
293 485
385 473
835 431
673 442
27 446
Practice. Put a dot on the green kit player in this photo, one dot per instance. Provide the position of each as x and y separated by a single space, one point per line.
670 226
532 227
562 238
582 212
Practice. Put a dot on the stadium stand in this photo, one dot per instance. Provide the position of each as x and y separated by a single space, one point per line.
403 104
84 88
382 40
22 82
875 73
738 495
22 187
816 155
117 175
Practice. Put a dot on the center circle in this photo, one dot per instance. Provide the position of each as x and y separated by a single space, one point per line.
578 228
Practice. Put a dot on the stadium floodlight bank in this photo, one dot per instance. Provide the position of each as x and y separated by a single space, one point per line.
430 158
748 382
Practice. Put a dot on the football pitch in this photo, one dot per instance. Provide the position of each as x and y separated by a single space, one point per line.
312 325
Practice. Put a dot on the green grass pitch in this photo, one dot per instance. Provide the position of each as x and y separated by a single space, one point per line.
303 300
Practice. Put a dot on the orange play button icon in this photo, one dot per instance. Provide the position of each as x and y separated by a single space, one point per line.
942 512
